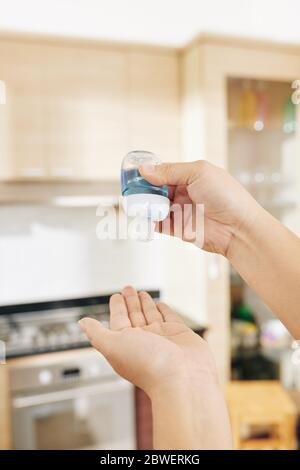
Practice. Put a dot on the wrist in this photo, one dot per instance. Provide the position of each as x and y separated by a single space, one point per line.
247 230
185 379
190 413
187 368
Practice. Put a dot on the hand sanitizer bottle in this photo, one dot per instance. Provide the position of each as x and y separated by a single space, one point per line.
142 199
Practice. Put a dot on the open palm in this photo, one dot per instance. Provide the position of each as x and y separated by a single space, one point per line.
147 343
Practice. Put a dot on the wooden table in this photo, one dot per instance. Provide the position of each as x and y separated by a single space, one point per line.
265 408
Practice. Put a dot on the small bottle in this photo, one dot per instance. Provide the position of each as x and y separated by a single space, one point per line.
289 119
141 199
248 106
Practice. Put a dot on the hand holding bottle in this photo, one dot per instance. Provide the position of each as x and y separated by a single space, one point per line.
261 249
228 207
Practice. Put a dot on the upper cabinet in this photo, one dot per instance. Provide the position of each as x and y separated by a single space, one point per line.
154 103
21 116
85 115
72 111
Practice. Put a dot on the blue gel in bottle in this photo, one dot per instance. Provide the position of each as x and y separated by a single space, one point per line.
131 180
144 201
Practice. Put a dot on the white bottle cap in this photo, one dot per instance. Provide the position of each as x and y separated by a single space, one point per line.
151 206
147 209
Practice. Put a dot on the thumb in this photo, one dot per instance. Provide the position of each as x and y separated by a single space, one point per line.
172 174
100 337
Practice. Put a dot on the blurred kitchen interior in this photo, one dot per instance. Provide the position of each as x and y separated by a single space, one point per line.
81 84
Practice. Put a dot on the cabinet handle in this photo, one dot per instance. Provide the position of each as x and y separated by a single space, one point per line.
109 386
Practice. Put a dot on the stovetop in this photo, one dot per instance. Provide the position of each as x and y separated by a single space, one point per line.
36 328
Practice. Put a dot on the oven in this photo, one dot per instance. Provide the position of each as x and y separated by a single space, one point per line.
64 394
76 403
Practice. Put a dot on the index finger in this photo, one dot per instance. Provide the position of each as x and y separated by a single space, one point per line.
118 313
171 173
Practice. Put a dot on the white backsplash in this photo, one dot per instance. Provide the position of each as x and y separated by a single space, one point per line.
53 253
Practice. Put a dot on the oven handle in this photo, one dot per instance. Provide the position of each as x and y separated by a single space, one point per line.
64 395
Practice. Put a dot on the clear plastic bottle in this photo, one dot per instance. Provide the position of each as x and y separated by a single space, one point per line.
141 199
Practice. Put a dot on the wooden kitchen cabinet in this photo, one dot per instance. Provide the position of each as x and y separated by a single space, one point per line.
207 65
100 104
154 103
85 109
21 117
75 109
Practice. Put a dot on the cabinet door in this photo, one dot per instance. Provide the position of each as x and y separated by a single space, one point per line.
21 118
85 112
154 103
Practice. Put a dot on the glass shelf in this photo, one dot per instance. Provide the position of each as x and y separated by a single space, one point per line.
234 127
262 156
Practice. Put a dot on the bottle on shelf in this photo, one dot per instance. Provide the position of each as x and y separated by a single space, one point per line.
248 106
261 108
289 122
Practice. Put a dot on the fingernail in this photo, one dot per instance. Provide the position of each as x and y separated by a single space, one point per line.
147 168
82 324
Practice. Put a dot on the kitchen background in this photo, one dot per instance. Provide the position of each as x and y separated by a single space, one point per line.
82 87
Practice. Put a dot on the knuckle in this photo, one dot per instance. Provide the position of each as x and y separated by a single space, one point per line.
202 165
166 169
202 169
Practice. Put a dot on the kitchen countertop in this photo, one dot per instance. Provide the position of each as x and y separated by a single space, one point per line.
55 357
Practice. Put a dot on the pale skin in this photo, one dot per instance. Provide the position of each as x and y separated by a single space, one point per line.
150 346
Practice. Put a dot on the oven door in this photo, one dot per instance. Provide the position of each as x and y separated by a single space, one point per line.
97 416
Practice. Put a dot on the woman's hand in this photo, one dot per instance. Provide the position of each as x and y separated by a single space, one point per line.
228 207
148 344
